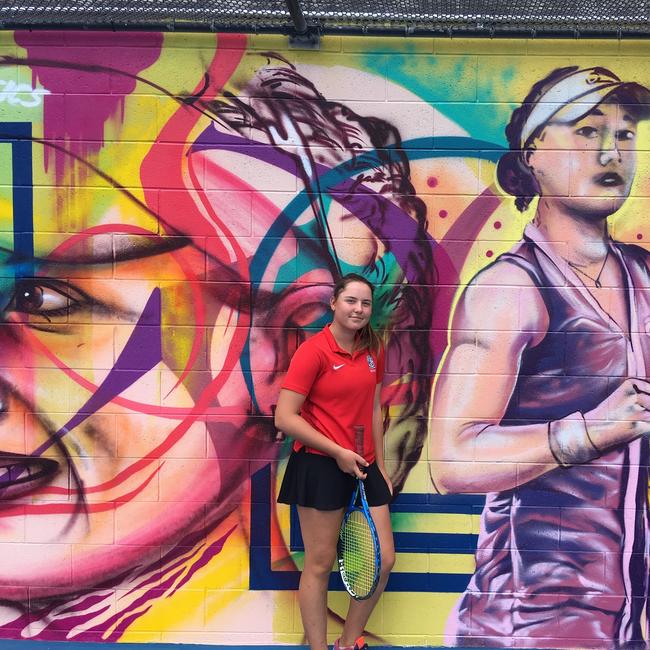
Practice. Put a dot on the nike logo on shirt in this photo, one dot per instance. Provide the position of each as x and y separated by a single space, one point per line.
337 367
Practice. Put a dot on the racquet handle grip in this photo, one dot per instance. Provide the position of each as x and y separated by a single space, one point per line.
359 431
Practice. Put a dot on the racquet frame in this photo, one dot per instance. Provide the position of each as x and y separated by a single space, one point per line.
359 493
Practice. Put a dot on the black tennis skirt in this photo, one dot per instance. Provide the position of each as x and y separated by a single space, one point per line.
315 481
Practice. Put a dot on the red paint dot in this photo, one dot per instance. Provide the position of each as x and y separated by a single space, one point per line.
442 213
432 181
497 224
489 254
639 235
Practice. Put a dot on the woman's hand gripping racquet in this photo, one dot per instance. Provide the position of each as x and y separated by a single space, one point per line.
358 551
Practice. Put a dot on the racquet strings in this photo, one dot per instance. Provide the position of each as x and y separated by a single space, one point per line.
358 553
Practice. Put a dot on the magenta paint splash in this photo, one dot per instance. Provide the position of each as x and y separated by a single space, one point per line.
88 81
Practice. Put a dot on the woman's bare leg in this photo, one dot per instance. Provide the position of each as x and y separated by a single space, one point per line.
320 530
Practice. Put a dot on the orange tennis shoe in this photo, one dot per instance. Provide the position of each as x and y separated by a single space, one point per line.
359 644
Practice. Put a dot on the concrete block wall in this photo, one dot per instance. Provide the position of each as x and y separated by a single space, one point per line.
173 209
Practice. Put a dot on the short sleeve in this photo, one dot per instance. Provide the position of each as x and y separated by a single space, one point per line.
304 367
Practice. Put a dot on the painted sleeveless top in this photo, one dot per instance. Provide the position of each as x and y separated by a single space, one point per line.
563 560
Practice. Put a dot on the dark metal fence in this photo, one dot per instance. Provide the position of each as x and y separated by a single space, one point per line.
478 17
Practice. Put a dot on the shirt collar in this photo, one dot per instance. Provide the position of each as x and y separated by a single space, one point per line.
331 341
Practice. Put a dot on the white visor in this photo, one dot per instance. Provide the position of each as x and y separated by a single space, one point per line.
574 96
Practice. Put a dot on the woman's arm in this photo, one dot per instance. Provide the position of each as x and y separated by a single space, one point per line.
290 422
500 315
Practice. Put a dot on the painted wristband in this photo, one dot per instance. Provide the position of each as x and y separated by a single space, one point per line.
569 441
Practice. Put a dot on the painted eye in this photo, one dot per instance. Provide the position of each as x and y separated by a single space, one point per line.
29 299
45 298
625 135
587 131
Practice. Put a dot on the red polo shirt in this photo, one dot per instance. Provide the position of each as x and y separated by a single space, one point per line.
339 388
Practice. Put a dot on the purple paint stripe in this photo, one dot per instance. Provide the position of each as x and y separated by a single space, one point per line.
398 230
155 592
211 138
45 611
124 619
161 570
473 218
69 623
141 353
84 604
214 549
393 226
120 629
173 558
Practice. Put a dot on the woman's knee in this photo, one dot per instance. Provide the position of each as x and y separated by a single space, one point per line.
319 564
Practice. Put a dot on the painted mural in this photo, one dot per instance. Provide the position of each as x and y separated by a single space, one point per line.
173 210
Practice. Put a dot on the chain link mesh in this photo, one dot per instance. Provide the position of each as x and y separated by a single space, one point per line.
416 16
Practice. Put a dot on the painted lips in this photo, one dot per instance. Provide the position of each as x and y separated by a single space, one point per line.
609 179
21 474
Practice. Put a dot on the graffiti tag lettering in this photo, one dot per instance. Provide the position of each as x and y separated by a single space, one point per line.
14 94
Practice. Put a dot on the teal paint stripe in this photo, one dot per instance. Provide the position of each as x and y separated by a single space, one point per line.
430 82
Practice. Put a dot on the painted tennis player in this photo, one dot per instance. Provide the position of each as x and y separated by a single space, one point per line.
544 392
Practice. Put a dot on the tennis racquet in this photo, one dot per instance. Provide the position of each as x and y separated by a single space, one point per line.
357 550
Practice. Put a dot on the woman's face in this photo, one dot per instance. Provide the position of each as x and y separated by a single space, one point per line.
587 167
353 306
115 356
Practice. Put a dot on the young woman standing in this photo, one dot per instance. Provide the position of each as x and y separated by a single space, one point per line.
333 385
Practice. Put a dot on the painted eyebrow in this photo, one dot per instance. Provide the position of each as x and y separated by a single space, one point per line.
626 117
594 112
138 247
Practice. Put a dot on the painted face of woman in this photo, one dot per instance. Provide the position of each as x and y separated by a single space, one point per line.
587 167
122 334
102 437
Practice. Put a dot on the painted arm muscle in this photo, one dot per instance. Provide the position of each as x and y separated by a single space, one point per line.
470 451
